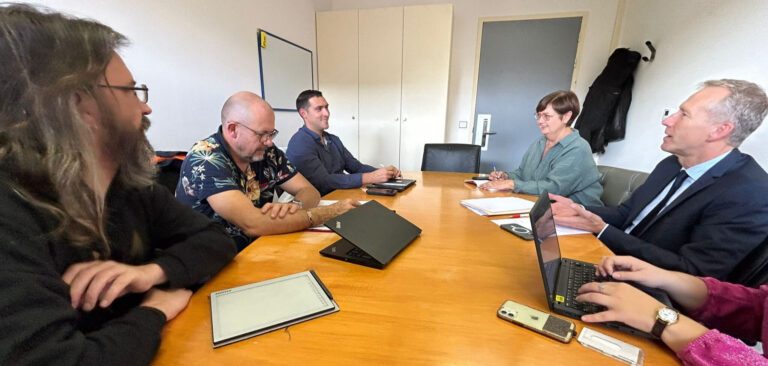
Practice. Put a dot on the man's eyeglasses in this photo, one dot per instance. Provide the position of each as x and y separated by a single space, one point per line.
141 91
262 136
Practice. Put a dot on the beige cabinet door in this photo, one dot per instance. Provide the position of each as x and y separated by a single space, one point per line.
380 62
426 61
338 73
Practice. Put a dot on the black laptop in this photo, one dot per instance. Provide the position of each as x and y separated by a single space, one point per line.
371 235
398 184
563 276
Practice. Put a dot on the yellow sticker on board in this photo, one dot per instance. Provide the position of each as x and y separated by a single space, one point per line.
559 298
263 40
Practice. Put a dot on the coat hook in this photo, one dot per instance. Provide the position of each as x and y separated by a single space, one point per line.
653 52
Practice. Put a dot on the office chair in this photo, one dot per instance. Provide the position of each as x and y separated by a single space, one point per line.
752 271
462 158
618 184
169 168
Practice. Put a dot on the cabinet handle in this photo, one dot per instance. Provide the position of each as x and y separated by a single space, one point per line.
405 119
353 117
397 119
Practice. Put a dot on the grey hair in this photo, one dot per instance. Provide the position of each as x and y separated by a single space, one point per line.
47 152
746 107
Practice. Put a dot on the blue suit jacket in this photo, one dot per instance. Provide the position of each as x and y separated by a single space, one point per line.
324 165
705 231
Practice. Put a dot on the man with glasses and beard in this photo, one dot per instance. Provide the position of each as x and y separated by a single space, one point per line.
233 176
94 257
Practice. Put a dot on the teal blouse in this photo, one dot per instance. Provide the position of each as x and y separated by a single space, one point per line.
568 169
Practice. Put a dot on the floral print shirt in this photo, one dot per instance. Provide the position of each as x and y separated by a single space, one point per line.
209 169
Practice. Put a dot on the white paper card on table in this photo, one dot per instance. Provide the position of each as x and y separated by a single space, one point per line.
476 182
479 182
526 222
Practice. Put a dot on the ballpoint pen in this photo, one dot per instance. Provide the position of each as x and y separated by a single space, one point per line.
494 166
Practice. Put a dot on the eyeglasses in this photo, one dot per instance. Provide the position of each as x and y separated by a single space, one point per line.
141 91
262 136
542 115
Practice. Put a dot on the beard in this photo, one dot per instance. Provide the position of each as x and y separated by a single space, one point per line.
258 156
131 150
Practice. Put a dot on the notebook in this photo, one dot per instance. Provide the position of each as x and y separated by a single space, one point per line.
398 184
563 276
247 311
371 235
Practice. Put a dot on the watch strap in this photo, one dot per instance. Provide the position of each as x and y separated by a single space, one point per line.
658 327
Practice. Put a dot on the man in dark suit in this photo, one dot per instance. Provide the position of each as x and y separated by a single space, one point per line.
702 210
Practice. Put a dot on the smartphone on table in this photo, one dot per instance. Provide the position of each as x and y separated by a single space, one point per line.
381 191
519 230
537 321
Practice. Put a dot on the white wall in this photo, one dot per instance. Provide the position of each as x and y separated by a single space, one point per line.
696 40
194 54
466 15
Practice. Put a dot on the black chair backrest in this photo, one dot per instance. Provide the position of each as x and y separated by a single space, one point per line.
752 271
169 168
462 158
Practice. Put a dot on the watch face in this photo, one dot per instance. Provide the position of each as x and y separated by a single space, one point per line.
668 315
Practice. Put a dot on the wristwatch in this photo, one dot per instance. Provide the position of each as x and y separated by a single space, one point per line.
664 316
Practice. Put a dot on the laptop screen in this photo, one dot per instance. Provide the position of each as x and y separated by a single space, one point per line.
545 238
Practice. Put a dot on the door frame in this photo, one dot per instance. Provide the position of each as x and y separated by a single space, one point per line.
577 61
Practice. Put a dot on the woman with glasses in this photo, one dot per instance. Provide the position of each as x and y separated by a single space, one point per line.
560 161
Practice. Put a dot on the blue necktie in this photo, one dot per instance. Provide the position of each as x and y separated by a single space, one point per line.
679 179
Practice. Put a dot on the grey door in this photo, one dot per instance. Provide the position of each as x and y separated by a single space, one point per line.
520 62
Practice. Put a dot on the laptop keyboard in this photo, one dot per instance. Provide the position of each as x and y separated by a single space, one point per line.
579 275
357 253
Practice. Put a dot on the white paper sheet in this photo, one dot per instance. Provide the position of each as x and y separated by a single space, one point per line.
524 221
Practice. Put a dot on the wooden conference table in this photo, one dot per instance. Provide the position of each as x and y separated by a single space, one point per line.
435 303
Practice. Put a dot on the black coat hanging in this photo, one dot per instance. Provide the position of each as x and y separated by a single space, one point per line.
604 114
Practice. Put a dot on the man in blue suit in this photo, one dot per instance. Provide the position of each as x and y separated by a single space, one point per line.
321 157
702 210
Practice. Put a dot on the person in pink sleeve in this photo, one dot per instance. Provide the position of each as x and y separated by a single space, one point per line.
716 311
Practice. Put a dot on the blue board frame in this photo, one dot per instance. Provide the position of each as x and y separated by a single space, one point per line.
261 66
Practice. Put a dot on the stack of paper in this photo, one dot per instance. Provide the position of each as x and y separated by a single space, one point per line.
498 205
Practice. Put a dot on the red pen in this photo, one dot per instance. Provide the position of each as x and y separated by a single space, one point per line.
517 216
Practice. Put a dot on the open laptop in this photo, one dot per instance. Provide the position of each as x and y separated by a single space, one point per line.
398 184
371 235
563 276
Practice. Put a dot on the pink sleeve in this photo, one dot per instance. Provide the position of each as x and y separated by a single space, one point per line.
733 309
715 348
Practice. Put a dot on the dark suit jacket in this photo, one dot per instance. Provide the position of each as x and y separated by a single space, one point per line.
706 230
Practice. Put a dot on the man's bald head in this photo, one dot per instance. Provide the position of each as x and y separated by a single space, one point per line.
245 121
245 107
